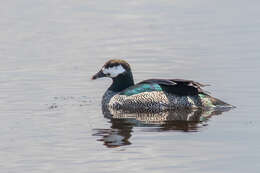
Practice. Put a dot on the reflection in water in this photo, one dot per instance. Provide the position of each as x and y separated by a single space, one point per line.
117 135
122 123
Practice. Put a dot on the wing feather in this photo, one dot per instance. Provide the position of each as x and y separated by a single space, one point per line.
178 86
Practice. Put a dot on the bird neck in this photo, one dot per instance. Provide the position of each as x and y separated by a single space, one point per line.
122 82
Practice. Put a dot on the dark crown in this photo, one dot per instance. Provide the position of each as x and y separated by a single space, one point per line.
116 62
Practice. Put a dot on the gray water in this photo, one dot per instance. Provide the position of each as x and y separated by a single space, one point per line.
50 114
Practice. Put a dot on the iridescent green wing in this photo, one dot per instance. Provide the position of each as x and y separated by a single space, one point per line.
174 86
140 88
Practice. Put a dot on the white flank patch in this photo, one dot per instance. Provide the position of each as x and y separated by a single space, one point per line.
114 71
191 101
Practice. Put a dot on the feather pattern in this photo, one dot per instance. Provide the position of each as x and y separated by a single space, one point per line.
142 87
175 86
152 94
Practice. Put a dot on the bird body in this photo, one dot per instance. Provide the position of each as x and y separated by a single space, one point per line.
152 94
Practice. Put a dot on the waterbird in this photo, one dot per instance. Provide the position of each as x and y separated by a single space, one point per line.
152 94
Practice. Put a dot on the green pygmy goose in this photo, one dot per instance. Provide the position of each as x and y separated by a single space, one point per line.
152 94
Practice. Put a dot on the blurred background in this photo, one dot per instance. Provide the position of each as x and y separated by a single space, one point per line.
50 113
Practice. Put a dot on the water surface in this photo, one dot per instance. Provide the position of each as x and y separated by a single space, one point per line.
51 118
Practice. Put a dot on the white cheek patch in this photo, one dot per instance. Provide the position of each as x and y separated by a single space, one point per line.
114 71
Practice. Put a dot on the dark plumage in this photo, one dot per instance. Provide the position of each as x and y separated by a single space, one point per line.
178 86
152 94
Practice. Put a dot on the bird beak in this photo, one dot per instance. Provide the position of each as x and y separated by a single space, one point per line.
99 74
